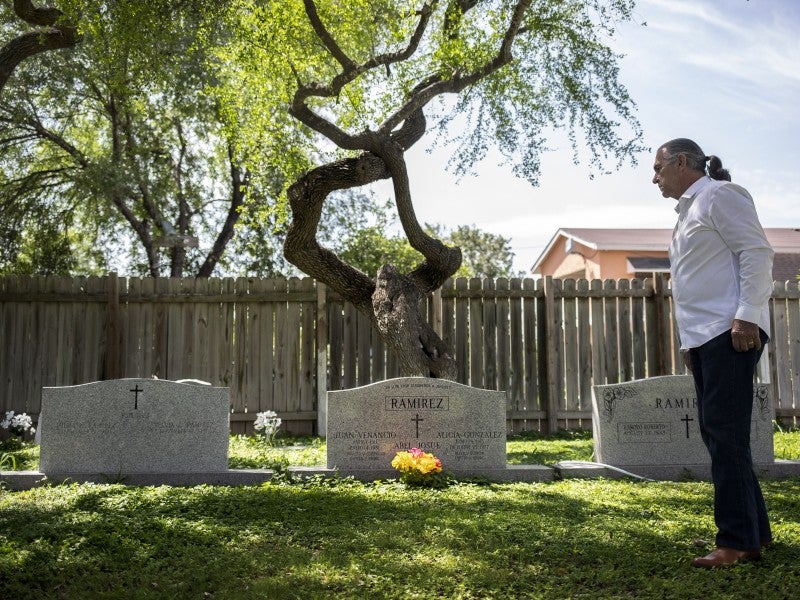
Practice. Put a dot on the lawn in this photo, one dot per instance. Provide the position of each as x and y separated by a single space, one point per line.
344 539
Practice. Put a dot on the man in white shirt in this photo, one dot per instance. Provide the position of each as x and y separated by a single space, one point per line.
721 266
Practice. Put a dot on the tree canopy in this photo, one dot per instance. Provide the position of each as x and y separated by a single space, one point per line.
179 119
117 143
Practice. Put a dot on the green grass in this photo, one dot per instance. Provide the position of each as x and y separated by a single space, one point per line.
344 539
787 444
249 452
15 456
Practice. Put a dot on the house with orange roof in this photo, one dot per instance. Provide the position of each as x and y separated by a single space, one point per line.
585 253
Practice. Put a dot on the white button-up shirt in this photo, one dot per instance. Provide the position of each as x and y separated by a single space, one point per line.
721 262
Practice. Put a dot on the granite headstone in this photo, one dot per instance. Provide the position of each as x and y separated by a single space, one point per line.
463 426
128 426
654 422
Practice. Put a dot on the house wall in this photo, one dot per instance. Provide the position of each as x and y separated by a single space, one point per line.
614 263
556 257
588 263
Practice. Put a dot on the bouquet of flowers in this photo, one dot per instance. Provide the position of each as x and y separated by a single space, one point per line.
418 468
17 425
267 424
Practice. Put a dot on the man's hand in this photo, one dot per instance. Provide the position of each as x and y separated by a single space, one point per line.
745 336
687 360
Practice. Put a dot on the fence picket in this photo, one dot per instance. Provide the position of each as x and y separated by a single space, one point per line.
476 374
516 363
29 352
780 333
489 334
306 375
335 344
363 346
638 338
532 309
461 337
349 351
792 401
502 339
254 351
283 335
266 343
611 333
584 367
553 335
597 315
570 369
624 329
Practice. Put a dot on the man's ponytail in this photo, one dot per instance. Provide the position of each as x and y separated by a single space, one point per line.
715 170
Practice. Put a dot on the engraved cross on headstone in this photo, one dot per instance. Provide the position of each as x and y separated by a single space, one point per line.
136 392
417 420
686 420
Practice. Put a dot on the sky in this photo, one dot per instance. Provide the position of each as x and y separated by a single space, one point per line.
725 73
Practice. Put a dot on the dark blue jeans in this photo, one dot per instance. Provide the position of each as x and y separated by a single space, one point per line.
723 379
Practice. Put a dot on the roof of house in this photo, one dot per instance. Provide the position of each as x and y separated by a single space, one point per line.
618 239
785 266
784 240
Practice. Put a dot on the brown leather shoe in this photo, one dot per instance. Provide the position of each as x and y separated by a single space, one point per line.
723 557
700 542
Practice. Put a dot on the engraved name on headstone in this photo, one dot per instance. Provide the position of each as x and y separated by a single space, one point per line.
654 422
134 426
463 426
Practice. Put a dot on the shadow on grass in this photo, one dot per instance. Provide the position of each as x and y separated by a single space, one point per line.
322 539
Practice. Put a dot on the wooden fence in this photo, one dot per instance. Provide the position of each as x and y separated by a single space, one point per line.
281 344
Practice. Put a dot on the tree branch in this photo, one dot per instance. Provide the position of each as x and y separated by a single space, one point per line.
50 36
43 17
459 81
306 197
178 257
440 261
239 185
454 14
388 144
122 129
324 35
44 133
300 110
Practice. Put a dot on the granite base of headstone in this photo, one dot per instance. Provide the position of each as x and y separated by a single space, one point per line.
464 427
648 427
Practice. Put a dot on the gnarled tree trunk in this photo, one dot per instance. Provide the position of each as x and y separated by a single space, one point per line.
392 300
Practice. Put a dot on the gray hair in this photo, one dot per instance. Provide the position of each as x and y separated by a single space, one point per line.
695 158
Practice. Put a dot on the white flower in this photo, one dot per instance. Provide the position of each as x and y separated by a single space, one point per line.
267 423
17 424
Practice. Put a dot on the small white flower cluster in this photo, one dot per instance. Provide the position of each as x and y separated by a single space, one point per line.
17 424
267 423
